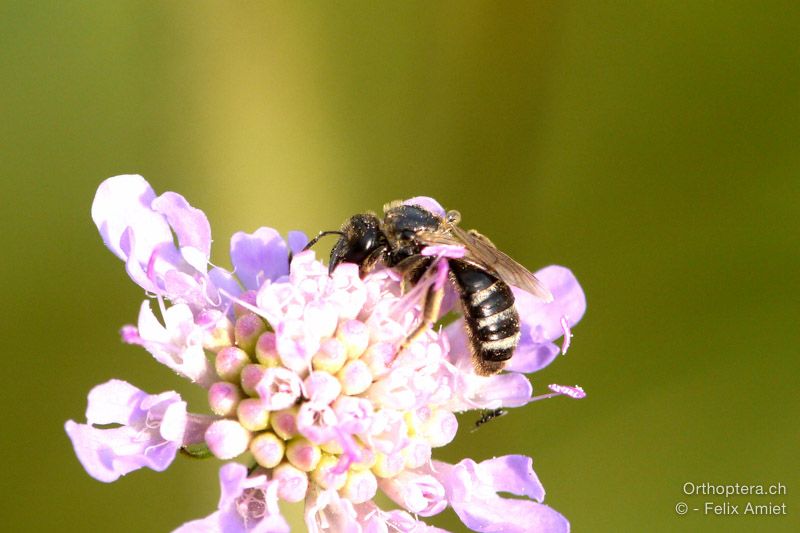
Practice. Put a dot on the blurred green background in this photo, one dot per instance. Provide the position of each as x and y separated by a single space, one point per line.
652 147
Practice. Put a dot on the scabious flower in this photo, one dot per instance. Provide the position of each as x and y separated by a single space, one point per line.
307 381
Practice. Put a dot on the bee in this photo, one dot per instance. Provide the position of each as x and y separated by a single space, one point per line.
482 276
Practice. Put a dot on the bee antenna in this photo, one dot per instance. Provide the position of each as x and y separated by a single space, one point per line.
313 241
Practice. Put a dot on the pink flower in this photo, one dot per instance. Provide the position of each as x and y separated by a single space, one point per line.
304 370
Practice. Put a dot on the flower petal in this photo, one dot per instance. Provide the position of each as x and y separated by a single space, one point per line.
178 343
209 524
531 357
259 256
327 512
418 493
375 520
224 281
141 441
136 269
427 203
253 496
502 390
123 202
542 321
472 492
190 226
514 474
113 402
297 240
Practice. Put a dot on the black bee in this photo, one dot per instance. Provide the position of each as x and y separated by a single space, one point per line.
482 276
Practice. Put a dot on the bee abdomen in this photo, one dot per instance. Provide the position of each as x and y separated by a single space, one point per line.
490 316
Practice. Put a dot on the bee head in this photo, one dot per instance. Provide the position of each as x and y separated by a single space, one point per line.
361 242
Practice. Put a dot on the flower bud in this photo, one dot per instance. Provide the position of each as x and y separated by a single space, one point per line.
322 316
332 447
267 449
388 465
324 475
361 486
253 414
366 458
322 388
303 454
248 297
247 330
284 422
266 352
354 334
292 482
250 377
440 428
229 363
218 330
355 377
331 356
379 357
227 438
417 453
223 397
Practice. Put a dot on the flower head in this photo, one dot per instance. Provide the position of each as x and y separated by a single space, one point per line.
310 379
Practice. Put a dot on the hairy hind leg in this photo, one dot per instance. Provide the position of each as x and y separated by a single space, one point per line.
431 305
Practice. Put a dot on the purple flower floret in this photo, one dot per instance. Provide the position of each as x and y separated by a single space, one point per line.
307 379
472 492
245 504
152 427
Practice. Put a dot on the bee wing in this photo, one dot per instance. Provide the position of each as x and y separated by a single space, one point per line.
481 252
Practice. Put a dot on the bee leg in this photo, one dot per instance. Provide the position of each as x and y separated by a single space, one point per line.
431 305
412 269
368 264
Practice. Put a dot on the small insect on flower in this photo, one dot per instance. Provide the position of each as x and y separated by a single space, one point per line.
409 238
489 414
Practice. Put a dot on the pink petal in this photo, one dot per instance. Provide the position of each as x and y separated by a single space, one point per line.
259 256
502 390
427 203
472 492
542 321
190 226
450 251
150 435
297 240
235 487
124 202
113 402
420 494
531 357
326 512
514 474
